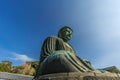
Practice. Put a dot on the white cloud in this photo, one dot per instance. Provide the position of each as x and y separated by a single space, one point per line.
15 58
108 30
21 57
100 30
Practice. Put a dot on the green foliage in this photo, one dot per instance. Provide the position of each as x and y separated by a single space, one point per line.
6 66
7 62
35 65
17 69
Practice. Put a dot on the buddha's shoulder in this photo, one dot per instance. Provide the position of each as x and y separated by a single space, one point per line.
53 37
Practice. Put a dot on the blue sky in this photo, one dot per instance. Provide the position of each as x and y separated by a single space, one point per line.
24 24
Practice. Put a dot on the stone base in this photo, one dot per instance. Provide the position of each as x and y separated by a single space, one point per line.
11 76
80 76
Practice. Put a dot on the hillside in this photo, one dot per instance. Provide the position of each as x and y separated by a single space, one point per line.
28 68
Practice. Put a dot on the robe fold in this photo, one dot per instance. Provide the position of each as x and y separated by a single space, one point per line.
58 56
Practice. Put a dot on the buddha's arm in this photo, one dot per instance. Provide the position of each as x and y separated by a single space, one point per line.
48 47
52 44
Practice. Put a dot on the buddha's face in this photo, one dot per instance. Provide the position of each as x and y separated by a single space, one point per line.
66 34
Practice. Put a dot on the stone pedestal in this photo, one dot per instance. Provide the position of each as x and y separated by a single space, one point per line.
80 76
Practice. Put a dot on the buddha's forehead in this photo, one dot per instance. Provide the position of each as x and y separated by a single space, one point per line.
67 29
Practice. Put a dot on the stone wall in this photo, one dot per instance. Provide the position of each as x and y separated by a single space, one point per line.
11 76
80 76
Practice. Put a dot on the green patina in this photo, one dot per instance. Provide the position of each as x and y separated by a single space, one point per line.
58 56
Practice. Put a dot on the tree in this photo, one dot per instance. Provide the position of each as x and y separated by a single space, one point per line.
6 66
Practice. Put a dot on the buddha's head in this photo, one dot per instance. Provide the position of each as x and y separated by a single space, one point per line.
65 33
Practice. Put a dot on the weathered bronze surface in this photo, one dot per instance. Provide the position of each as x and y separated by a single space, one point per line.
58 56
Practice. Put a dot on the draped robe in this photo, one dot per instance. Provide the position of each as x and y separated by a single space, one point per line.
58 56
